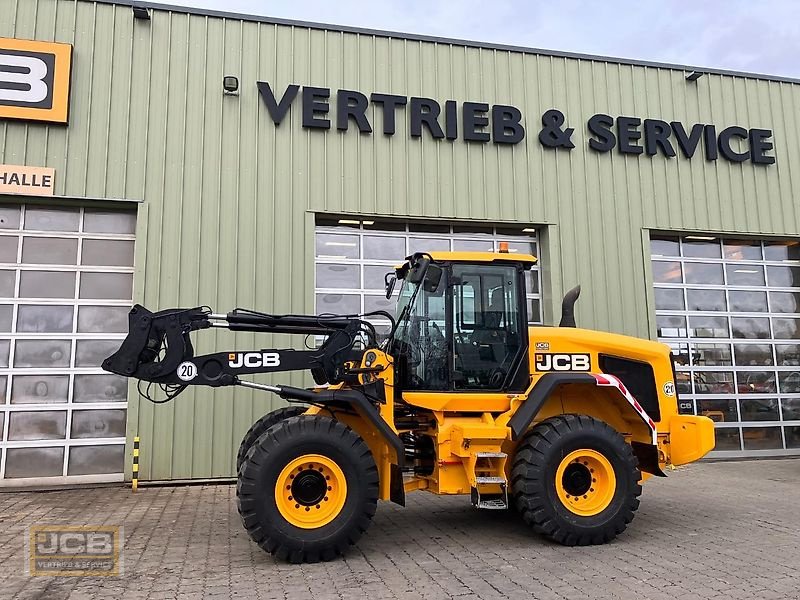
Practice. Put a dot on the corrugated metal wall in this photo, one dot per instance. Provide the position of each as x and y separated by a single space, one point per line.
227 217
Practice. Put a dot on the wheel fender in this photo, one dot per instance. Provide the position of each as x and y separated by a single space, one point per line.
524 416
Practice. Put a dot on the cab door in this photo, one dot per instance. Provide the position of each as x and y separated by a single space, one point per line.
489 328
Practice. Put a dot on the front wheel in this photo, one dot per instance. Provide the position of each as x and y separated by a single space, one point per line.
575 480
307 489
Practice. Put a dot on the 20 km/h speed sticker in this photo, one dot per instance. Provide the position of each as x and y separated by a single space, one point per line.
187 371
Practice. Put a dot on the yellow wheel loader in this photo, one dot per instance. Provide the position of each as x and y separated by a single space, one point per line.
464 397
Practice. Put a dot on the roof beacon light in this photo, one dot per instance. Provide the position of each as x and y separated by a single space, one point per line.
504 247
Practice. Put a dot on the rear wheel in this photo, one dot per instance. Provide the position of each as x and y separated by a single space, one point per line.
307 489
575 480
260 426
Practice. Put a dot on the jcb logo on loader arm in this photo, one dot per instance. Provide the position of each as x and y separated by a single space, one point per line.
236 360
562 362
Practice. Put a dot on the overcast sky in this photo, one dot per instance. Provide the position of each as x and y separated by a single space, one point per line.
761 36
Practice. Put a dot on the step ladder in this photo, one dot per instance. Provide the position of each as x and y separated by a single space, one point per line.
488 480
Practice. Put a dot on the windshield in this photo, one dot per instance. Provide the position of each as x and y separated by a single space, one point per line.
419 340
406 293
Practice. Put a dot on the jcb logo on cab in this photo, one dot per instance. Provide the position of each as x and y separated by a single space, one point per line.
34 80
562 362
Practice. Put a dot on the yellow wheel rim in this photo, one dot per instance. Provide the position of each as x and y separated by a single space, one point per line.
310 491
585 482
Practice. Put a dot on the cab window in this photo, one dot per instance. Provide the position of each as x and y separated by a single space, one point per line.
486 328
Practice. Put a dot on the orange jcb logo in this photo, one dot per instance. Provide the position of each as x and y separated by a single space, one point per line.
35 80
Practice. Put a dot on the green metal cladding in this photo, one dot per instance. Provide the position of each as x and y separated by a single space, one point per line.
229 198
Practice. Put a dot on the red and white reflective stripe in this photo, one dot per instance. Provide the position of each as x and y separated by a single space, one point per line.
612 381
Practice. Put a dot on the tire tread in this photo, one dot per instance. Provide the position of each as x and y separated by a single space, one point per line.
249 496
261 426
529 465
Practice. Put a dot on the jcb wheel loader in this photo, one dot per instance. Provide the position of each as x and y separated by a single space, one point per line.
463 397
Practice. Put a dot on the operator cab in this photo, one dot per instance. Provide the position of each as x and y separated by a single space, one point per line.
462 322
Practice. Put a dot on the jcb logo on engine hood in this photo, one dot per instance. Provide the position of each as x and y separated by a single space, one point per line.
34 80
562 362
237 360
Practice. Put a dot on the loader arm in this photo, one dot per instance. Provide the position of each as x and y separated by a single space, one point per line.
159 350
159 347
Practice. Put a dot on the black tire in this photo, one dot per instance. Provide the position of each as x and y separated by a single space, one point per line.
266 461
534 480
260 426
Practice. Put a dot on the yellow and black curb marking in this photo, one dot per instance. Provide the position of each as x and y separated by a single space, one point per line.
135 478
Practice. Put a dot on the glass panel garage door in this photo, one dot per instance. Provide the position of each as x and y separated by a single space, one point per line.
730 309
66 277
353 256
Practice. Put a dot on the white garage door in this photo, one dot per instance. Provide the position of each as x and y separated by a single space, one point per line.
730 310
66 277
353 256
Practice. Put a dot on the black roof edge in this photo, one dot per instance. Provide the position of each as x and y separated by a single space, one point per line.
439 40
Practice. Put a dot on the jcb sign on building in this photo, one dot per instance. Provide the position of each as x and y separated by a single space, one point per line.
34 80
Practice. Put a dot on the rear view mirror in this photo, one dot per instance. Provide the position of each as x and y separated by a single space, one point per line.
389 281
419 266
433 276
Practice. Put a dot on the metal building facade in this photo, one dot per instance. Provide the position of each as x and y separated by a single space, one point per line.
229 200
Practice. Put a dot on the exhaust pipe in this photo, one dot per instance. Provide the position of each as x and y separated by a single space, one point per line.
568 307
